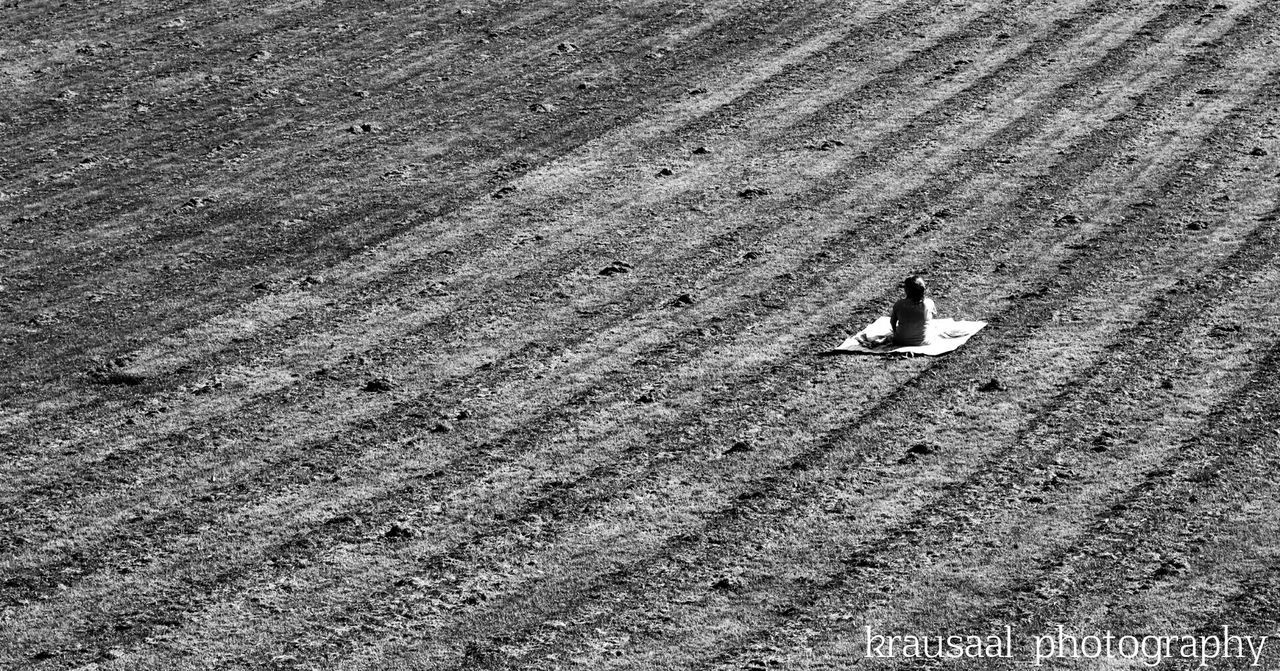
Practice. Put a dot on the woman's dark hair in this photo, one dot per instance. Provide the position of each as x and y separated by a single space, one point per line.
915 287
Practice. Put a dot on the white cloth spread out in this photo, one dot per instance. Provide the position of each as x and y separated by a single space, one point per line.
944 335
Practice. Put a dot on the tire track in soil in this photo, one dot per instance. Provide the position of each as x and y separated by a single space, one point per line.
944 525
712 246
170 437
1077 563
877 23
310 245
60 419
874 31
390 288
1233 452
1130 525
612 578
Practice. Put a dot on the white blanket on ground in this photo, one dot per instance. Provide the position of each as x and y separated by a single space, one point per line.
944 336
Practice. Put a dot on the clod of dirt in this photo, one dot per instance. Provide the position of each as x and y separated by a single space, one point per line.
341 519
615 268
666 172
752 192
504 192
441 427
566 47
196 203
1225 331
1197 226
645 398
994 384
1166 383
208 386
739 447
379 384
922 449
1258 151
587 86
684 299
400 531
1172 566
115 376
702 150
916 451
462 414
727 583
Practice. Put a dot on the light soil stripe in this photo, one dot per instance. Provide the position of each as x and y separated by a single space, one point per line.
1072 337
1018 539
886 506
260 316
273 310
108 520
281 375
177 311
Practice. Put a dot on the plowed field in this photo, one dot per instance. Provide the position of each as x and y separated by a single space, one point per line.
486 335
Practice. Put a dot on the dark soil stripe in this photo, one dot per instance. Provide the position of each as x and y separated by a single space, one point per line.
535 509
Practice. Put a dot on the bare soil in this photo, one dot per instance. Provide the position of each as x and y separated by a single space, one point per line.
487 335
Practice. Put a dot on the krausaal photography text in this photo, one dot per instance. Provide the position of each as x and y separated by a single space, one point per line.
1201 649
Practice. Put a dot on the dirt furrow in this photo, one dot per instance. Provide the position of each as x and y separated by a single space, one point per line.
1094 449
179 411
181 526
310 246
465 557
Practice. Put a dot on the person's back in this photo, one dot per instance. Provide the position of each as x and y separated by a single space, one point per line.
911 315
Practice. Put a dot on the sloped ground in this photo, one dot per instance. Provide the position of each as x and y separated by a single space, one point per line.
483 335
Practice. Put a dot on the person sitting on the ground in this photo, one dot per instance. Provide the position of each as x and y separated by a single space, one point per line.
911 315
